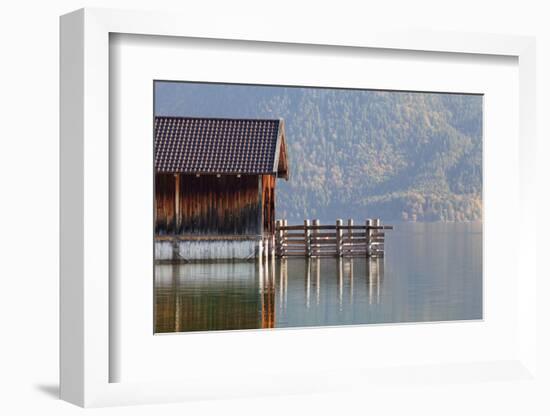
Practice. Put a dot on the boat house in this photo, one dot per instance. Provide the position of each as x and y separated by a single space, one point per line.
215 181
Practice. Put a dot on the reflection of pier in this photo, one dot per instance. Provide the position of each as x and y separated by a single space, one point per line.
346 274
375 277
238 295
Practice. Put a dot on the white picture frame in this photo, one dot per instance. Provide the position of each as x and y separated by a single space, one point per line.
85 218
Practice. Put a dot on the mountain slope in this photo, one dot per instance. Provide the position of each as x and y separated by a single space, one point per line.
356 153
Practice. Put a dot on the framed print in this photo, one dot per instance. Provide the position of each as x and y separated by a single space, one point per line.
284 197
230 159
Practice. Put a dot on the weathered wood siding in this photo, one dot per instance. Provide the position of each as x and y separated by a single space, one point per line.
208 205
268 203
165 186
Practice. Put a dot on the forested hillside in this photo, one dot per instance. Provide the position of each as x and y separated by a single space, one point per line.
411 156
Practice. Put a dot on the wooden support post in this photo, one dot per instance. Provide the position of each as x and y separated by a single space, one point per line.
307 238
368 232
315 233
376 223
261 206
382 239
176 203
283 247
278 237
350 235
339 233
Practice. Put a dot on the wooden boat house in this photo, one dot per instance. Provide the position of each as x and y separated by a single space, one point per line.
215 185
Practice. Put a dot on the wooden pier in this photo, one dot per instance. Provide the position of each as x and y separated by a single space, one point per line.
340 240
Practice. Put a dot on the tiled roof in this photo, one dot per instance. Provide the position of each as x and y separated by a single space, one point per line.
217 145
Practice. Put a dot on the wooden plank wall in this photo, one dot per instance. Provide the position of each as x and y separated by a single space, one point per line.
165 186
209 205
268 203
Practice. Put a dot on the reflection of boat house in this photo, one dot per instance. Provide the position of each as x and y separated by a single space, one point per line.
215 185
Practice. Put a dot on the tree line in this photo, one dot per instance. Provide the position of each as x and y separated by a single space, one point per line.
356 153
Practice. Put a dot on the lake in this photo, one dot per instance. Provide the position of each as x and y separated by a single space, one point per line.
430 272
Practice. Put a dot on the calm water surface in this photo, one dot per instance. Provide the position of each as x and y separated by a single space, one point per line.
431 272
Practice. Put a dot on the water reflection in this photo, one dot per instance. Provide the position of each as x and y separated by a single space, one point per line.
431 272
225 296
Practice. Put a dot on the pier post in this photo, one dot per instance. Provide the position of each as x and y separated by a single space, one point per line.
315 232
350 235
307 239
278 237
283 239
177 203
339 233
376 223
368 232
314 240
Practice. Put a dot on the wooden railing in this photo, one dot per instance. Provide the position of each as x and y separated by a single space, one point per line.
341 240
